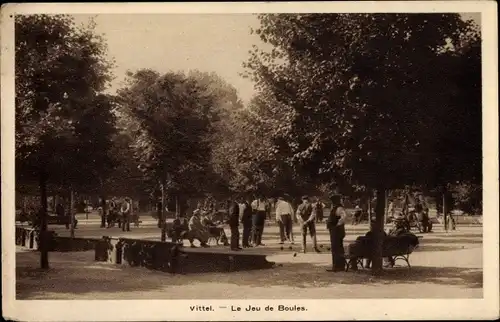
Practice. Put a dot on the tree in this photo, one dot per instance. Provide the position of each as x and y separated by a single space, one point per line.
362 96
60 71
172 124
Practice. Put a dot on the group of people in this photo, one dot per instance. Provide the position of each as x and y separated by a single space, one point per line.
120 213
199 227
253 215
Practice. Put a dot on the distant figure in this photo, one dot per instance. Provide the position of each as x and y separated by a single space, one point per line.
336 227
423 216
284 213
234 222
60 210
197 230
306 218
319 206
112 213
125 210
246 221
357 215
390 209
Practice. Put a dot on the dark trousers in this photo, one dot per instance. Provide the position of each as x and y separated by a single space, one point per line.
337 235
258 221
247 233
285 227
125 222
235 237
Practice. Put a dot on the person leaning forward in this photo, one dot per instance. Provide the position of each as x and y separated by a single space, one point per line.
336 226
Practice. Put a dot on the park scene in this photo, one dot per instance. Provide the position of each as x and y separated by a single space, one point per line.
248 156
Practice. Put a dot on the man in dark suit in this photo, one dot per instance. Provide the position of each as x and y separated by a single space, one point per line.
234 216
335 225
246 220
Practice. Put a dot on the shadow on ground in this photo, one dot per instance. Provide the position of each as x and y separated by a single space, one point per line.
78 278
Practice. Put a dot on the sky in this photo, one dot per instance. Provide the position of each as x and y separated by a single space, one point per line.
182 42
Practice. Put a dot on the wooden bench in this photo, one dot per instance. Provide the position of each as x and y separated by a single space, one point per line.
395 247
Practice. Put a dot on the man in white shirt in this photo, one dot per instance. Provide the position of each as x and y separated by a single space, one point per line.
284 212
125 210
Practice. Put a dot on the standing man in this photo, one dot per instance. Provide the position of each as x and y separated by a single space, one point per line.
284 213
246 220
319 209
260 208
336 227
125 210
306 218
112 217
234 216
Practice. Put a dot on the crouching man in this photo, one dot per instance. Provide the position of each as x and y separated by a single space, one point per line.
197 230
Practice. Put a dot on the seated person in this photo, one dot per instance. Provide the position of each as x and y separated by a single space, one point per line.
399 226
368 262
197 230
214 228
179 229
367 241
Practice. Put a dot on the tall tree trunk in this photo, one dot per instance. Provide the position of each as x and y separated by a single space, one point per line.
370 209
386 209
162 220
378 232
44 251
71 215
159 210
104 211
445 209
177 210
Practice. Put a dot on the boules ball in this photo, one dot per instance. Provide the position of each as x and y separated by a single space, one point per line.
290 247
281 248
294 254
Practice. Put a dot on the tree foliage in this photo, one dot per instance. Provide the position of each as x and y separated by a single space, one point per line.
170 119
63 123
367 99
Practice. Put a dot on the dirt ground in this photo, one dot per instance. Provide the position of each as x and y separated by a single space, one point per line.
446 265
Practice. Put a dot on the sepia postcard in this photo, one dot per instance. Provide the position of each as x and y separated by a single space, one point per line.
253 161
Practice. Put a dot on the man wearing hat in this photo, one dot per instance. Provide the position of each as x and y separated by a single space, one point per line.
306 218
335 225
126 209
234 220
197 230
